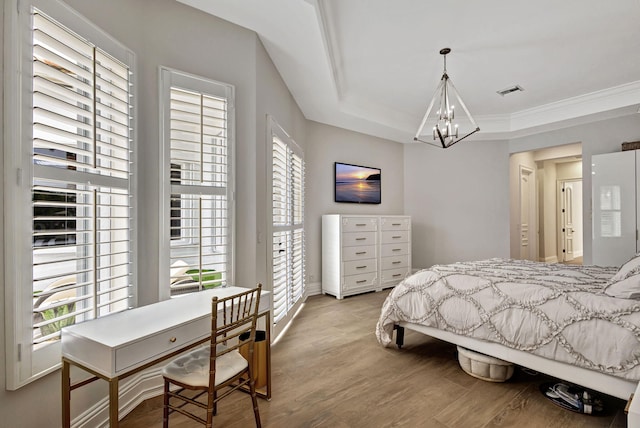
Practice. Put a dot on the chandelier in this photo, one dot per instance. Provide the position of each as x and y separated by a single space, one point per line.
446 131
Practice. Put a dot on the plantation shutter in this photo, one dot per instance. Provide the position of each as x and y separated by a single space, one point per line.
81 181
199 206
288 228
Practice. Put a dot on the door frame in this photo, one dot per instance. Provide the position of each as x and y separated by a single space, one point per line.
533 212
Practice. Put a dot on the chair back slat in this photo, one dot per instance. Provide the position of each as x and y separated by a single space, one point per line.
232 317
233 325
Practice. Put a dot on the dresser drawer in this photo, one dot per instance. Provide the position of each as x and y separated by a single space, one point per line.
399 249
358 238
391 236
359 252
395 262
160 343
394 223
391 275
355 224
364 280
357 267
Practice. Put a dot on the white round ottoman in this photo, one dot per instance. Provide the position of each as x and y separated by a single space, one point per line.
483 366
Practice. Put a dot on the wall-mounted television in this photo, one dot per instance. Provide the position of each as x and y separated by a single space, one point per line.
357 184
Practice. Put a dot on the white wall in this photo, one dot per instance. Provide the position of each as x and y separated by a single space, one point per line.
165 32
326 145
459 201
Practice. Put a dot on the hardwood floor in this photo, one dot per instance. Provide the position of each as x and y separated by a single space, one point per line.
575 261
329 371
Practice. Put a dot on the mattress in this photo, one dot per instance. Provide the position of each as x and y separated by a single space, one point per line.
555 311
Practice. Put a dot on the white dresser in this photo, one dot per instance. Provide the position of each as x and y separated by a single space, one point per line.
363 253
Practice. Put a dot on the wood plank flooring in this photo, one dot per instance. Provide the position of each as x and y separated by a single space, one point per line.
329 371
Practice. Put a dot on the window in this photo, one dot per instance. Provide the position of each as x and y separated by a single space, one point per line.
610 211
73 193
197 114
287 243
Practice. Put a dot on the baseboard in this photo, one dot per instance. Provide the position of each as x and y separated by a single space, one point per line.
133 391
552 259
314 289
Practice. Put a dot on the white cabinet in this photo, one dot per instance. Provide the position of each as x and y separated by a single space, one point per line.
363 253
615 191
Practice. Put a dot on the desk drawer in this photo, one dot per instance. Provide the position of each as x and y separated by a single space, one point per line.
394 223
162 343
357 267
395 262
392 250
358 253
355 224
364 280
391 236
358 238
394 275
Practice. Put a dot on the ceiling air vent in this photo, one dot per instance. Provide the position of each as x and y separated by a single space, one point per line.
510 89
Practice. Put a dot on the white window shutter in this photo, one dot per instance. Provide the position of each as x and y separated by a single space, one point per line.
198 138
288 227
81 181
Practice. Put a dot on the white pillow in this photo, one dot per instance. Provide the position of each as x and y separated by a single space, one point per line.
629 268
628 288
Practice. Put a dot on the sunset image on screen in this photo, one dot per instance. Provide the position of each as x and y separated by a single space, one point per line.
357 184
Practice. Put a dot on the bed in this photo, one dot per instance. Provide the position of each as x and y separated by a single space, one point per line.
577 323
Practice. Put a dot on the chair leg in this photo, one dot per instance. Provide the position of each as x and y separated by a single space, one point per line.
211 407
254 399
165 410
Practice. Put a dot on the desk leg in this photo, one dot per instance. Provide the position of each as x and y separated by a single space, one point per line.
113 402
268 339
66 394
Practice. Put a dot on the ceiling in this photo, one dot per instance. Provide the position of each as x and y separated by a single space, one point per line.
372 66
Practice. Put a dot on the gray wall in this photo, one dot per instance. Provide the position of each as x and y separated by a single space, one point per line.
459 201
326 145
272 98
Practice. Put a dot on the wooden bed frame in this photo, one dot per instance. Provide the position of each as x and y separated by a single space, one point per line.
597 381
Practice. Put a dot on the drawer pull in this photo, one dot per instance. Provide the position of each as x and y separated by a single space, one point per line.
361 267
361 281
172 340
397 249
395 263
361 239
396 237
359 253
397 275
361 224
396 224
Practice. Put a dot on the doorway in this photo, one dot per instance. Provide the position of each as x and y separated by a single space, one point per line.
537 179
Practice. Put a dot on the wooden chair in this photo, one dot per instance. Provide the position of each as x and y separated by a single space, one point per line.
207 374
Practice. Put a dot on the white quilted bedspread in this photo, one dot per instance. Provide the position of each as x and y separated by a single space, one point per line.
555 311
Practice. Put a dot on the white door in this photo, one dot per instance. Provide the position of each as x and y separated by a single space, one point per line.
527 214
570 219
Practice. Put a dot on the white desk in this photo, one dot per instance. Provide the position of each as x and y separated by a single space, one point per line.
119 345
